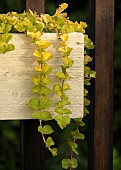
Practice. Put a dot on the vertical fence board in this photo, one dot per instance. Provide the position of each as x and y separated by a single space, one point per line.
32 147
102 26
36 5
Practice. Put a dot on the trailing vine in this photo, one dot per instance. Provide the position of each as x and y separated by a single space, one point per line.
34 26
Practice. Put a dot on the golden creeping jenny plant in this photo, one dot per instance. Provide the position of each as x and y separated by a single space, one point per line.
34 26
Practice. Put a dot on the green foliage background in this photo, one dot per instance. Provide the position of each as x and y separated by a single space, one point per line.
10 130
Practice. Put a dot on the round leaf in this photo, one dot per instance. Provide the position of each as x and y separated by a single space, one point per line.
45 129
66 163
34 103
61 75
49 142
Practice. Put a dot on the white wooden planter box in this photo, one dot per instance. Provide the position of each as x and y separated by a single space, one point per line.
17 68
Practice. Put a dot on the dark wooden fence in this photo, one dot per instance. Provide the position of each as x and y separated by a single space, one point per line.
101 119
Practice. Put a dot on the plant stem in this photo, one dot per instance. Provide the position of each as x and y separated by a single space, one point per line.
43 137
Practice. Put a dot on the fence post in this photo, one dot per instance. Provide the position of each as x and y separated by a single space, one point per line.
101 118
32 147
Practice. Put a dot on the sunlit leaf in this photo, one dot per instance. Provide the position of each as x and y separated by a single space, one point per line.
76 134
36 80
87 59
45 80
62 121
61 75
34 103
45 129
64 37
49 142
47 18
66 87
46 69
73 146
83 24
57 88
67 111
36 115
53 151
38 54
45 103
64 6
20 27
46 115
68 62
43 44
6 37
59 110
38 68
88 43
42 90
46 56
34 35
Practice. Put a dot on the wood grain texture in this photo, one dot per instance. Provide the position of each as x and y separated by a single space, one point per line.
32 146
35 5
17 68
101 146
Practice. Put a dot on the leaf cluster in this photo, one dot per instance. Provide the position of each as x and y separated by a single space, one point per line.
34 26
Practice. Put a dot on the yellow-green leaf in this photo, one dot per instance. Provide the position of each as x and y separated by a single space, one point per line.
49 142
46 56
62 121
43 44
66 163
67 111
87 59
59 110
64 6
46 69
74 163
57 88
61 75
45 80
38 54
68 62
53 151
45 102
45 129
36 115
66 87
38 68
34 35
36 80
64 37
42 90
34 103
46 115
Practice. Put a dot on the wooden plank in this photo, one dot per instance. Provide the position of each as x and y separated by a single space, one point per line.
101 145
31 141
36 5
17 69
32 146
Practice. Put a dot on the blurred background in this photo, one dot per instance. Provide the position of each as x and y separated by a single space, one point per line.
10 130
